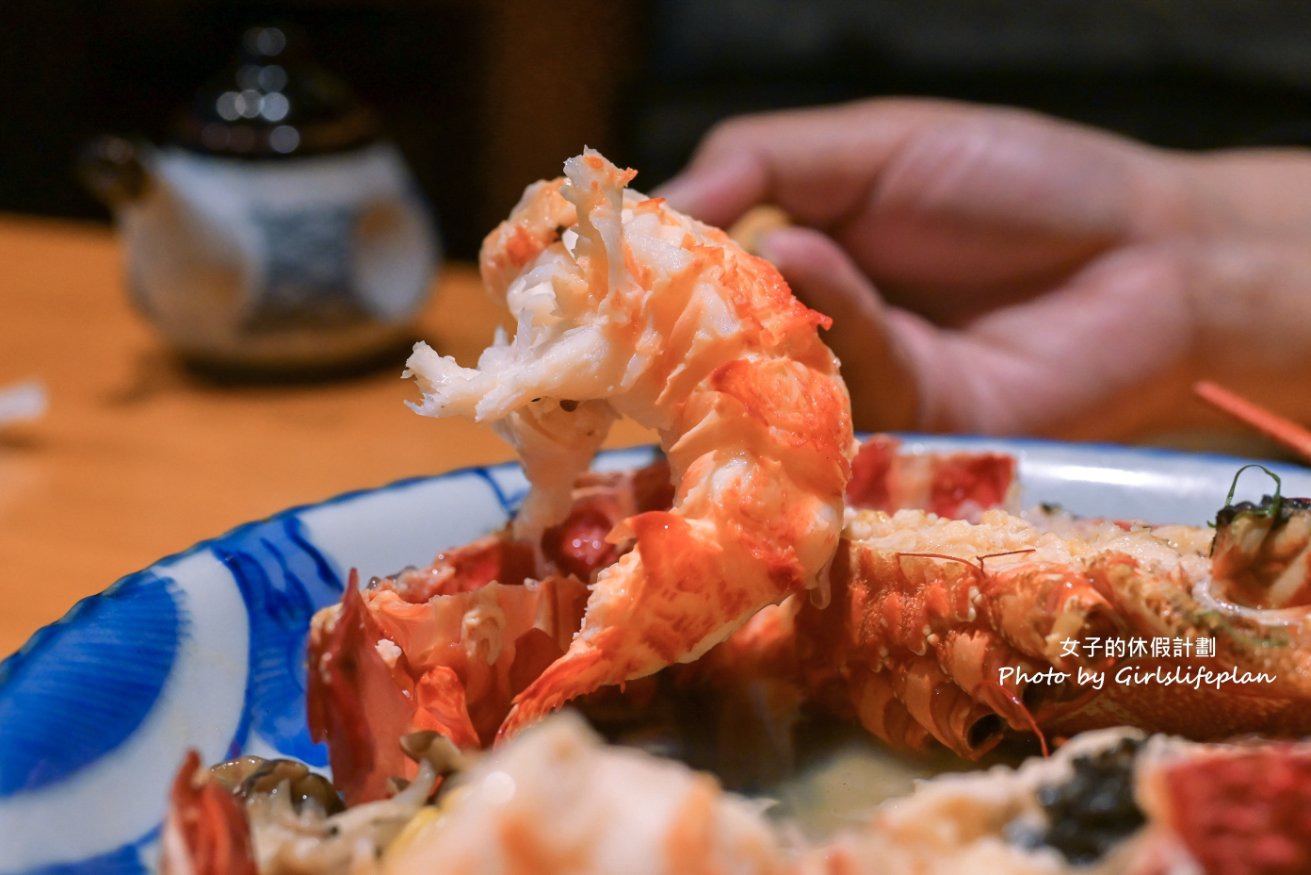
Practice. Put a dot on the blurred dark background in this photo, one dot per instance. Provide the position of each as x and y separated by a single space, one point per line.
484 97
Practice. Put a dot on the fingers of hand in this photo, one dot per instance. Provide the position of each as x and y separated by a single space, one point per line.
1100 354
816 164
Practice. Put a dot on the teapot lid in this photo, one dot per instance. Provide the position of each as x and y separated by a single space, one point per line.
273 102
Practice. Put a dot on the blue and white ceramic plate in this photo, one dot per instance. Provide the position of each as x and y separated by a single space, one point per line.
205 649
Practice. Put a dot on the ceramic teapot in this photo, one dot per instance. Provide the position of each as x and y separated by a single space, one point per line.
275 229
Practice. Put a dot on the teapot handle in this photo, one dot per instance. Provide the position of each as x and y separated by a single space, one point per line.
112 169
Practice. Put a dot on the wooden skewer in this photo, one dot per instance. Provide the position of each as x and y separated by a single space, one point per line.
1278 428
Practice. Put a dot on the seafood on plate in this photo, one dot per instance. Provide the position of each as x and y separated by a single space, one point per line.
952 631
959 485
554 801
557 801
561 801
446 647
1110 802
251 815
960 632
206 832
624 307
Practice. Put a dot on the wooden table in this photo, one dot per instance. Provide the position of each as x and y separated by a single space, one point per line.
137 457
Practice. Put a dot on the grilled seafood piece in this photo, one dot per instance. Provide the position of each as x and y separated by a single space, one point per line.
385 667
205 832
947 630
279 819
1263 553
445 648
1240 809
958 485
1112 802
559 802
556 800
625 307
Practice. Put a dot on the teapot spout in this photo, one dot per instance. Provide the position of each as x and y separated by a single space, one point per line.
113 170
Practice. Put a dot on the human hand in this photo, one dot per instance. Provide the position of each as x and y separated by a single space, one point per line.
994 271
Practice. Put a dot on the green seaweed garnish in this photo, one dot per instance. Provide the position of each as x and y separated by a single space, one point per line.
1270 509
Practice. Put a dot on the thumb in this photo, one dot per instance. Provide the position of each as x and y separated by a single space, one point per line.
875 366
717 189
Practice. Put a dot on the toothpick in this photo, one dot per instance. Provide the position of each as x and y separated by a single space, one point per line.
1278 428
